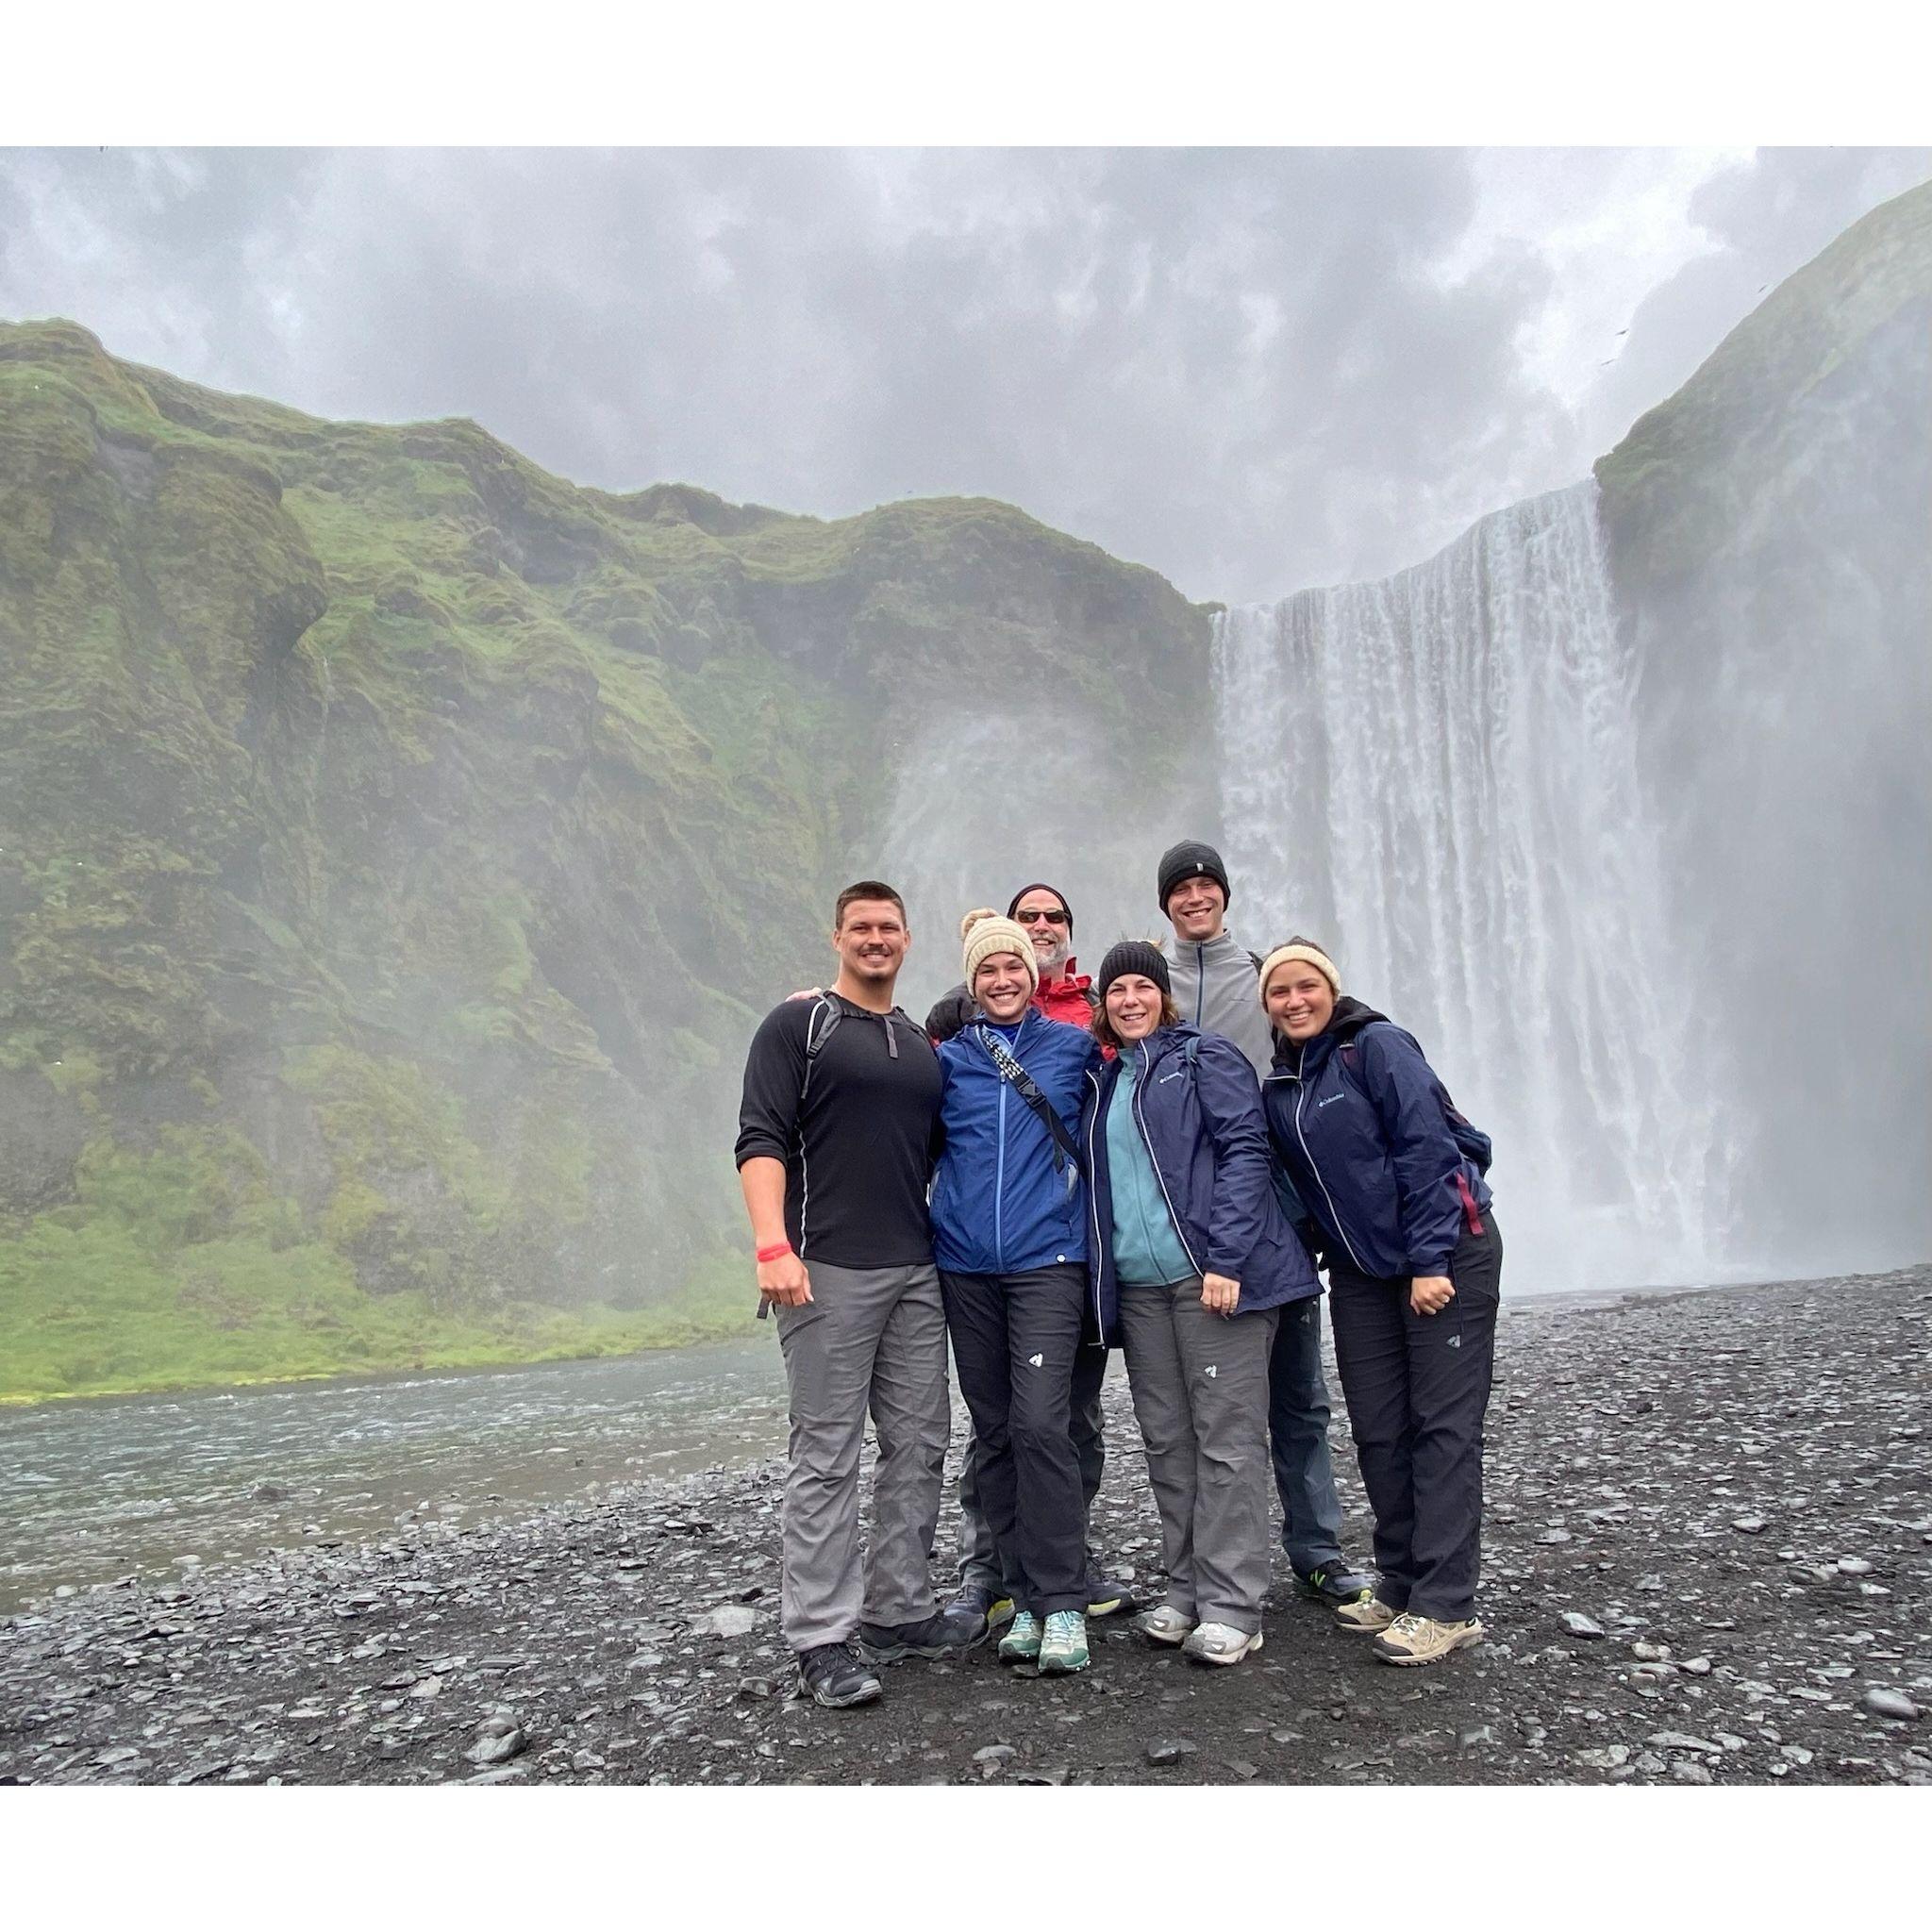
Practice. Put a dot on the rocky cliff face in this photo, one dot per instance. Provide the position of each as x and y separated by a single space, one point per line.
1769 529
401 841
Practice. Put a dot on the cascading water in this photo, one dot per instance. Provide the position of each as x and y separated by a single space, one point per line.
1437 776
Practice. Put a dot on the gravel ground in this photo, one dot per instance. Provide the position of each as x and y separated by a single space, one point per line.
1709 1548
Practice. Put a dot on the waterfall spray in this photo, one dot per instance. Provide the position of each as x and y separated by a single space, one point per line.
1437 774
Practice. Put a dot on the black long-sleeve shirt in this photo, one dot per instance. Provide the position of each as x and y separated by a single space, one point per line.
857 1140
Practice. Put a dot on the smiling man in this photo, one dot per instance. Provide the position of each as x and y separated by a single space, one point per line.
1064 992
1216 987
835 1141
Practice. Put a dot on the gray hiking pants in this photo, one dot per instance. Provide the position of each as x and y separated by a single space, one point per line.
1200 1389
870 1339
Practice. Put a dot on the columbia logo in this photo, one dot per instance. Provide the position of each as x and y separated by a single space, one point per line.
1037 1360
1456 1342
1329 1102
1212 1370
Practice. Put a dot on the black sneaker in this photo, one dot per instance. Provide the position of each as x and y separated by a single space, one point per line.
965 1617
1106 1596
830 1675
886 1643
1335 1584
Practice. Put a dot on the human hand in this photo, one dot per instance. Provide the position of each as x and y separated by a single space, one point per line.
1429 1294
784 1282
1219 1294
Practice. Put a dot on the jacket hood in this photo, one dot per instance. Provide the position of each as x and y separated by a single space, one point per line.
1348 1019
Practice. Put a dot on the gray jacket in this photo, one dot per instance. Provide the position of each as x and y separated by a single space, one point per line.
1216 986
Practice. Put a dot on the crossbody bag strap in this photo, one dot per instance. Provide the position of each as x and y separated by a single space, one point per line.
1066 1152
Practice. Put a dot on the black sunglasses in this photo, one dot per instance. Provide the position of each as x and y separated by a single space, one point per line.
1033 918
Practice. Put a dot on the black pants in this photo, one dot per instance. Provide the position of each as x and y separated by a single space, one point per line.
1015 1340
1417 1387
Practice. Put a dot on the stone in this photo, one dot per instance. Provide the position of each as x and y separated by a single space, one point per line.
1687 1770
1854 1566
1750 1526
1883 1701
1682 1741
727 1620
1168 1750
1695 1667
496 1749
993 1754
1577 1625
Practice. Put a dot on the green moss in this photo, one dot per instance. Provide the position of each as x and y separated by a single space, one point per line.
434 830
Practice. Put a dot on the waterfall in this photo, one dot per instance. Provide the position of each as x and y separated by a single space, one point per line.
1437 776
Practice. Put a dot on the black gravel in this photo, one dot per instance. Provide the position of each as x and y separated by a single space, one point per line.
1708 1552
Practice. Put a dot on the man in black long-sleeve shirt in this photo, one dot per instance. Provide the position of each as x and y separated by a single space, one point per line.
835 1148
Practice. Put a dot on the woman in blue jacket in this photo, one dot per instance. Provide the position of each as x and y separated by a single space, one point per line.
1192 1258
1009 1235
1392 1177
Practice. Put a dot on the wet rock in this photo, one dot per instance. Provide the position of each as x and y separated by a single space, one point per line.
1882 1702
727 1620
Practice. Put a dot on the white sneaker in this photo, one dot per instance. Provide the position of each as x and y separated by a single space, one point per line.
1164 1624
1220 1643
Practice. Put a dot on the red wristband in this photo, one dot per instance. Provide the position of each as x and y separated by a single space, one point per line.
773 1253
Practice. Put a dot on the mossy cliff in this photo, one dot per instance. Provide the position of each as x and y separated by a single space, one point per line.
1769 535
397 842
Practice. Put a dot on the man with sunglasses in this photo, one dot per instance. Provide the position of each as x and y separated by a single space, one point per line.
1063 993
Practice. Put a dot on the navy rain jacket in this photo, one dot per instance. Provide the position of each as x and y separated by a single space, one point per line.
1370 1140
1199 1111
1000 1201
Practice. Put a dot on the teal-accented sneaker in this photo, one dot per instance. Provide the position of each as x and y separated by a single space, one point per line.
1021 1644
1063 1646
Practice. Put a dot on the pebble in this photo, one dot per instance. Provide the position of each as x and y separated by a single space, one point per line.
1883 1701
1169 1750
1577 1625
1751 1525
993 1754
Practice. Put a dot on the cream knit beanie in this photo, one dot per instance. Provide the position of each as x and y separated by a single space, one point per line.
1301 949
987 933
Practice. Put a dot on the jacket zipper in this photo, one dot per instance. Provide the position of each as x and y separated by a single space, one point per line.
999 1182
1093 1205
1200 983
1301 1095
1147 1141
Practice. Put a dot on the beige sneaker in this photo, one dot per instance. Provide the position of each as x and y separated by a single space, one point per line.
1164 1624
1422 1641
1368 1616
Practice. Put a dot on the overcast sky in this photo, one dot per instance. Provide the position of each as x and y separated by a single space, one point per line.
1254 369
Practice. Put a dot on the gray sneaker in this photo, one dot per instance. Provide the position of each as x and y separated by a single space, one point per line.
1220 1643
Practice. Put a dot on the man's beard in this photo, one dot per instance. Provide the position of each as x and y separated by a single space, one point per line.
1050 964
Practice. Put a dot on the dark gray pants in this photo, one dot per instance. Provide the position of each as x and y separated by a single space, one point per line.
1200 1389
1417 1387
870 1339
979 1567
1015 1340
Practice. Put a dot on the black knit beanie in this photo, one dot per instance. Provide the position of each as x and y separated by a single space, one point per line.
1192 860
1041 886
1134 956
